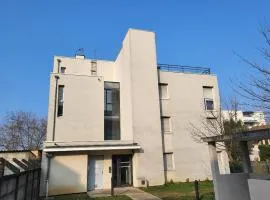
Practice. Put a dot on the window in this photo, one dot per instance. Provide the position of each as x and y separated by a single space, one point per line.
209 104
63 70
166 124
168 161
208 98
60 100
163 91
93 67
111 111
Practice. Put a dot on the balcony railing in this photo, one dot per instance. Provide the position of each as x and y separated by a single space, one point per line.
183 69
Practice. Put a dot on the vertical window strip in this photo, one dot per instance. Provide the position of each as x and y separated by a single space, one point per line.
60 107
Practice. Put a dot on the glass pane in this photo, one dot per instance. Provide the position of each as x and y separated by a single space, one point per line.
112 129
209 104
168 161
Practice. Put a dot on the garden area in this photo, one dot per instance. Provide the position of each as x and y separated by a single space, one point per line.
170 191
182 191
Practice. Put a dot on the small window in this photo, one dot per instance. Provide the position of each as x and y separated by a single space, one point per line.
163 91
168 161
166 124
209 104
208 97
60 107
63 70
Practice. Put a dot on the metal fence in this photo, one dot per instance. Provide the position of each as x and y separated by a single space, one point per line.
184 69
21 186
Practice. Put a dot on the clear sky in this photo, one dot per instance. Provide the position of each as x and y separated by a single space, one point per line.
196 33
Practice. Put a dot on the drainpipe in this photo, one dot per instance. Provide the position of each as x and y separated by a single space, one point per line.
55 103
49 156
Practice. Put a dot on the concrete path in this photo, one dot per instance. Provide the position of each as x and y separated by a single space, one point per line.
133 193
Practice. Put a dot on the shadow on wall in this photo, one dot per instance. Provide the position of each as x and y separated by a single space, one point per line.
65 177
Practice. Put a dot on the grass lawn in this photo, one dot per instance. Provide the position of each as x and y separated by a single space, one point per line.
86 197
182 191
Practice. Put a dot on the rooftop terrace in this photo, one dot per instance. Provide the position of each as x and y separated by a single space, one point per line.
183 69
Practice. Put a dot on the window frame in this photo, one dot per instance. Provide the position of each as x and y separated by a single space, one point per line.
60 103
205 104
166 163
170 124
160 91
63 72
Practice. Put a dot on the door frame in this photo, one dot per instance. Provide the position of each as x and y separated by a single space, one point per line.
117 177
92 157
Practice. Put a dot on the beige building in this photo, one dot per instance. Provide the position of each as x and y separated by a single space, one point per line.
251 119
125 120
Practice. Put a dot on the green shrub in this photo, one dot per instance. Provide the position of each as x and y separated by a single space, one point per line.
236 167
264 152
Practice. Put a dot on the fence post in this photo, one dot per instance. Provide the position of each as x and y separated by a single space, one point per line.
0 187
16 187
196 186
32 187
26 187
38 183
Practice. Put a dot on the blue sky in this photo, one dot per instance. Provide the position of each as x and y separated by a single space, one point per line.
196 33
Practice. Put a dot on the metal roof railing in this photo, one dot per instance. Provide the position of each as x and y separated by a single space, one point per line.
183 69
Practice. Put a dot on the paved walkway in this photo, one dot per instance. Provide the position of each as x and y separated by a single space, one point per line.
133 193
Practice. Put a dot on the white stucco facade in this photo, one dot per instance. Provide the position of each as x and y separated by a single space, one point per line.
78 135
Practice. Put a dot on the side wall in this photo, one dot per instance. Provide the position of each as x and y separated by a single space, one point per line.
145 108
83 112
68 174
185 106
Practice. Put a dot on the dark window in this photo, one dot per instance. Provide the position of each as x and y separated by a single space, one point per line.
209 104
60 100
111 111
63 70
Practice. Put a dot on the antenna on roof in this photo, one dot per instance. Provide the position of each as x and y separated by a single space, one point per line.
79 53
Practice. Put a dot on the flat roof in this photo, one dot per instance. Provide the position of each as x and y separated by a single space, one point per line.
254 134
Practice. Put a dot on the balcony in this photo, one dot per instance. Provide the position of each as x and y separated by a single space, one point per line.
183 69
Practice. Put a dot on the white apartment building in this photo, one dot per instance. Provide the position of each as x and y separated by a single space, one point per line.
125 120
249 118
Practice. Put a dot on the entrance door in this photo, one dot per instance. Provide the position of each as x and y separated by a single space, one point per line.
95 172
122 170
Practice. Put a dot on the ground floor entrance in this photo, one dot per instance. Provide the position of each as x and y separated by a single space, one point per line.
95 172
122 170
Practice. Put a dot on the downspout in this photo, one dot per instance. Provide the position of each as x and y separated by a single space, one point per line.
55 103
49 156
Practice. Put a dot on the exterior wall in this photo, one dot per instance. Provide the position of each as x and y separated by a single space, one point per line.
83 113
68 174
259 189
185 107
145 102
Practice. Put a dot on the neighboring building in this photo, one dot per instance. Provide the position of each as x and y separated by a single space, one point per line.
126 119
250 119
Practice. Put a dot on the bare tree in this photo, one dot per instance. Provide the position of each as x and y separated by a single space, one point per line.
22 131
215 123
257 88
